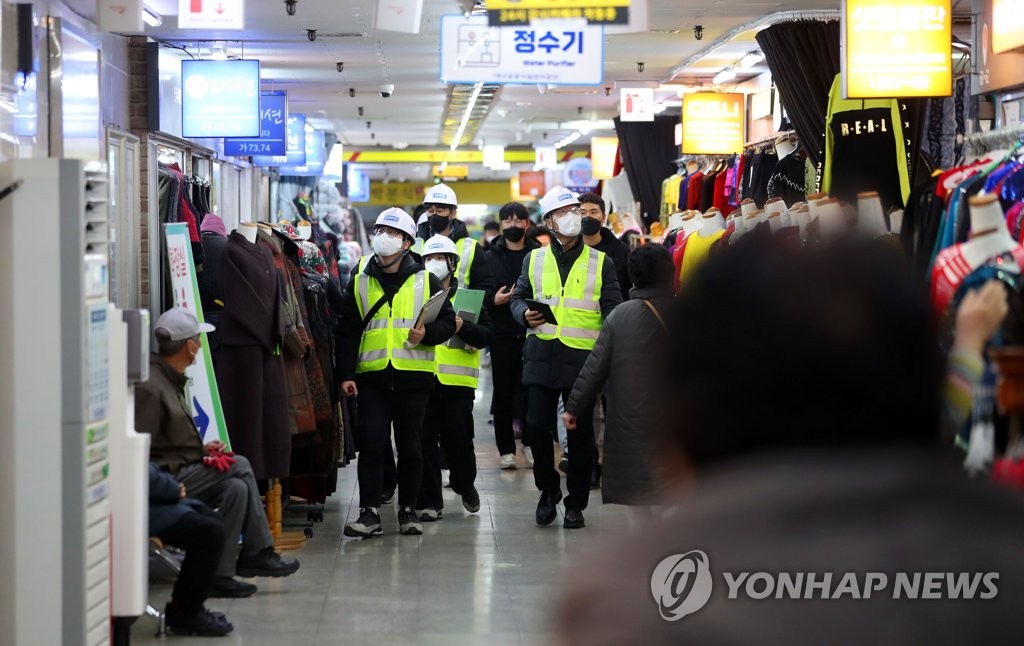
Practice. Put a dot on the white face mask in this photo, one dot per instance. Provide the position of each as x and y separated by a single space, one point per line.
569 224
437 267
385 245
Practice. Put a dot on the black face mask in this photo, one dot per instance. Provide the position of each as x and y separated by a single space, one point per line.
438 223
513 234
590 226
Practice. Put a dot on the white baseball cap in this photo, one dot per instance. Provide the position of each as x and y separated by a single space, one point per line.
396 218
178 324
439 244
440 194
556 198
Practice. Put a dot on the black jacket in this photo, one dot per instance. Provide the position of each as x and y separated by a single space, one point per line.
479 272
211 292
553 364
479 335
618 251
505 325
350 331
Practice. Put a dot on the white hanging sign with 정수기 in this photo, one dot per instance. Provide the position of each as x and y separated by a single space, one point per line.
202 390
211 14
549 52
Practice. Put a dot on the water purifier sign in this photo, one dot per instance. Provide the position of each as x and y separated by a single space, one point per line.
273 139
220 99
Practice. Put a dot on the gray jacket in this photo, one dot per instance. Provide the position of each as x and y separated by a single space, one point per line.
620 366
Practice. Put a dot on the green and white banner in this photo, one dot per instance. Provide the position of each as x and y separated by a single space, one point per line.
202 390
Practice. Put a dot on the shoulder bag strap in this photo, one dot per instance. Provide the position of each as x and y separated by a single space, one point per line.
656 313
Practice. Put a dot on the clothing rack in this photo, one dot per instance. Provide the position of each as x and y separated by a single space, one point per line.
770 140
1003 138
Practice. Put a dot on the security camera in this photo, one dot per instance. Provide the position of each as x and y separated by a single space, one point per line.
640 66
698 32
289 6
311 34
351 91
387 90
360 111
340 66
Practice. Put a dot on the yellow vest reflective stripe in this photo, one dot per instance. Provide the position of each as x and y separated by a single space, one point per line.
577 304
383 340
457 367
466 254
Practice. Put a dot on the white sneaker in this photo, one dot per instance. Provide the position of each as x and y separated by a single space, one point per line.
446 480
508 461
528 454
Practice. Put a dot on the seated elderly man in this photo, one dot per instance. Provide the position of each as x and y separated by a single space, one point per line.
220 479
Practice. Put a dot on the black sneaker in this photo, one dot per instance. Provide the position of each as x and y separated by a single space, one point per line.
225 587
388 497
408 522
547 507
429 514
202 623
471 501
563 466
573 519
595 477
366 526
266 563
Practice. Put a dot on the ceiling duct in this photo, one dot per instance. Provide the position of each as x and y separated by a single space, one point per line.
466 105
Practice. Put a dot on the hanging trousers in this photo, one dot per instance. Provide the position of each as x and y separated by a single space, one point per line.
237 499
448 427
380 411
540 425
201 534
509 397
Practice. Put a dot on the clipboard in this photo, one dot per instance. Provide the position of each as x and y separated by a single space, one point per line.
543 308
432 308
456 343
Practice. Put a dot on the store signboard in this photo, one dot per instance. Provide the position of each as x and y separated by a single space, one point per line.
295 145
450 171
358 185
578 175
896 48
531 184
211 14
636 104
545 157
202 390
220 98
558 53
273 139
523 12
604 152
995 71
316 157
1007 25
713 123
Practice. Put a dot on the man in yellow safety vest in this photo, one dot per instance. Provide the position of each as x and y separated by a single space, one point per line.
387 359
579 285
449 422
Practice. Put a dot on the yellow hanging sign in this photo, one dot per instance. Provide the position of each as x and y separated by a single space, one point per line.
440 156
713 123
451 171
898 48
522 12
1007 25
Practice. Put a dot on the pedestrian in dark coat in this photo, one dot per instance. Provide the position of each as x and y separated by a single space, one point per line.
631 341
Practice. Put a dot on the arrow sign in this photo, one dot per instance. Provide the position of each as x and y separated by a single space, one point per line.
202 419
219 14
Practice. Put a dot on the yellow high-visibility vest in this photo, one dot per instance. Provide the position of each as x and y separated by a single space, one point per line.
576 304
457 367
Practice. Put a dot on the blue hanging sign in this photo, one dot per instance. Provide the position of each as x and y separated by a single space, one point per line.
315 157
273 139
220 98
295 154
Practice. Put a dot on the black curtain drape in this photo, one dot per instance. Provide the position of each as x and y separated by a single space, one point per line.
648 150
803 57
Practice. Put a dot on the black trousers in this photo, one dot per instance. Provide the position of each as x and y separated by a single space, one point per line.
379 411
509 396
201 534
540 425
448 427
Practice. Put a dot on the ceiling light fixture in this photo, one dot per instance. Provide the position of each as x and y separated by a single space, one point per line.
218 54
466 115
724 76
151 18
751 59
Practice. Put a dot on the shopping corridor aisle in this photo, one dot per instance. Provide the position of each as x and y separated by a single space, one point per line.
487 578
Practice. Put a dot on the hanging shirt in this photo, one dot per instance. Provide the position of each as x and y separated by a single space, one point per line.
951 268
697 249
693 191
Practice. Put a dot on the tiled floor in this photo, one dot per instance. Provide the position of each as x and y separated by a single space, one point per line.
487 578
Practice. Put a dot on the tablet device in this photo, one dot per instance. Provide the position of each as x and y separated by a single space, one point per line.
544 309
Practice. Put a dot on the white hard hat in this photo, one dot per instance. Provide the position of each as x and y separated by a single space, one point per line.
440 194
396 218
423 218
556 198
439 244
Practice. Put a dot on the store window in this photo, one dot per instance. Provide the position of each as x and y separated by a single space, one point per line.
125 219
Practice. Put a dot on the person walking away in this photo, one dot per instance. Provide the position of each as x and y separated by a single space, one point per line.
579 285
449 422
631 341
505 257
388 361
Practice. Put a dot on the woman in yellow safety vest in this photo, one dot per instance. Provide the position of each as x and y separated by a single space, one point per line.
388 360
449 420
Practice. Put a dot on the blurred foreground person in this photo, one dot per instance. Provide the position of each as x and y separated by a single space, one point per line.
804 394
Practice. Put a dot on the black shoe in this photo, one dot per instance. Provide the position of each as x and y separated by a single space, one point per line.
225 587
366 526
388 497
547 508
429 514
408 522
563 466
595 477
573 518
203 623
266 563
471 501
